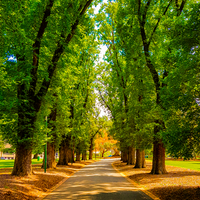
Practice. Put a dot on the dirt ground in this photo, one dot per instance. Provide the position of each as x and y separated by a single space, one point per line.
37 185
178 184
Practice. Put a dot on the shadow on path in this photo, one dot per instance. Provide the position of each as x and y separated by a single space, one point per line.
98 181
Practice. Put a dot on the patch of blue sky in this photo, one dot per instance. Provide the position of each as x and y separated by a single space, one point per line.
12 58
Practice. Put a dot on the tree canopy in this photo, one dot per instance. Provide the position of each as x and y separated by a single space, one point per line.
148 80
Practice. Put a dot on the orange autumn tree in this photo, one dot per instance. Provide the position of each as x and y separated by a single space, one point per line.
104 143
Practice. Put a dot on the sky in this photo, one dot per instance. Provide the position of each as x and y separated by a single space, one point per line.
102 53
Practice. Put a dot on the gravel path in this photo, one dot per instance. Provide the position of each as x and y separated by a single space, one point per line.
97 181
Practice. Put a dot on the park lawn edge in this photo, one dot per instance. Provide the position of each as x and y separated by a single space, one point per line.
178 165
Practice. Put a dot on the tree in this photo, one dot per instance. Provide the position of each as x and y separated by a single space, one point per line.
120 74
30 53
104 143
97 124
180 94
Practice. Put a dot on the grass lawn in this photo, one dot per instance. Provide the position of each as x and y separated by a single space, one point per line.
195 165
10 163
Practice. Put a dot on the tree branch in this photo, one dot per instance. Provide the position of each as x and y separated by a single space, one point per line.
57 54
181 8
154 30
36 46
105 103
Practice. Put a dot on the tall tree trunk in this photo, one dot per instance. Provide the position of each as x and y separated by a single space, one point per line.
78 154
102 153
51 161
158 158
63 151
91 148
22 165
143 160
140 159
23 156
122 155
158 166
125 156
51 149
71 156
84 155
131 156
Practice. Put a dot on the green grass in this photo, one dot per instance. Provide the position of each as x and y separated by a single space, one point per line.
6 163
10 163
194 165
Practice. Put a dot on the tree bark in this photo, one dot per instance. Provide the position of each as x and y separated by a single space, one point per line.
51 161
125 157
140 159
78 154
84 155
102 153
158 158
63 151
71 156
22 165
143 160
122 155
91 148
131 156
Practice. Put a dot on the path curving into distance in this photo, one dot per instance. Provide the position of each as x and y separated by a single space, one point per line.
97 181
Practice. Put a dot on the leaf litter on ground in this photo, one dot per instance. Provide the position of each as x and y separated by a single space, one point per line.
178 184
37 185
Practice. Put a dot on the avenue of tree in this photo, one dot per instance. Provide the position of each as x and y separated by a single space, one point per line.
148 80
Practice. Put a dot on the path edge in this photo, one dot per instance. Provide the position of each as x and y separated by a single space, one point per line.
58 184
136 185
55 187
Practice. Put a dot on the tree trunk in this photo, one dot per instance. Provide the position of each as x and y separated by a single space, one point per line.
143 160
26 125
63 151
131 156
140 159
103 153
78 155
158 158
51 161
71 156
125 157
84 156
91 149
35 156
22 165
121 156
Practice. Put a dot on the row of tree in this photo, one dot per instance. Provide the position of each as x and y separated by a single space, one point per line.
47 70
149 80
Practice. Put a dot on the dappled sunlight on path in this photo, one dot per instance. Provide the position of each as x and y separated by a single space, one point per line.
98 181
